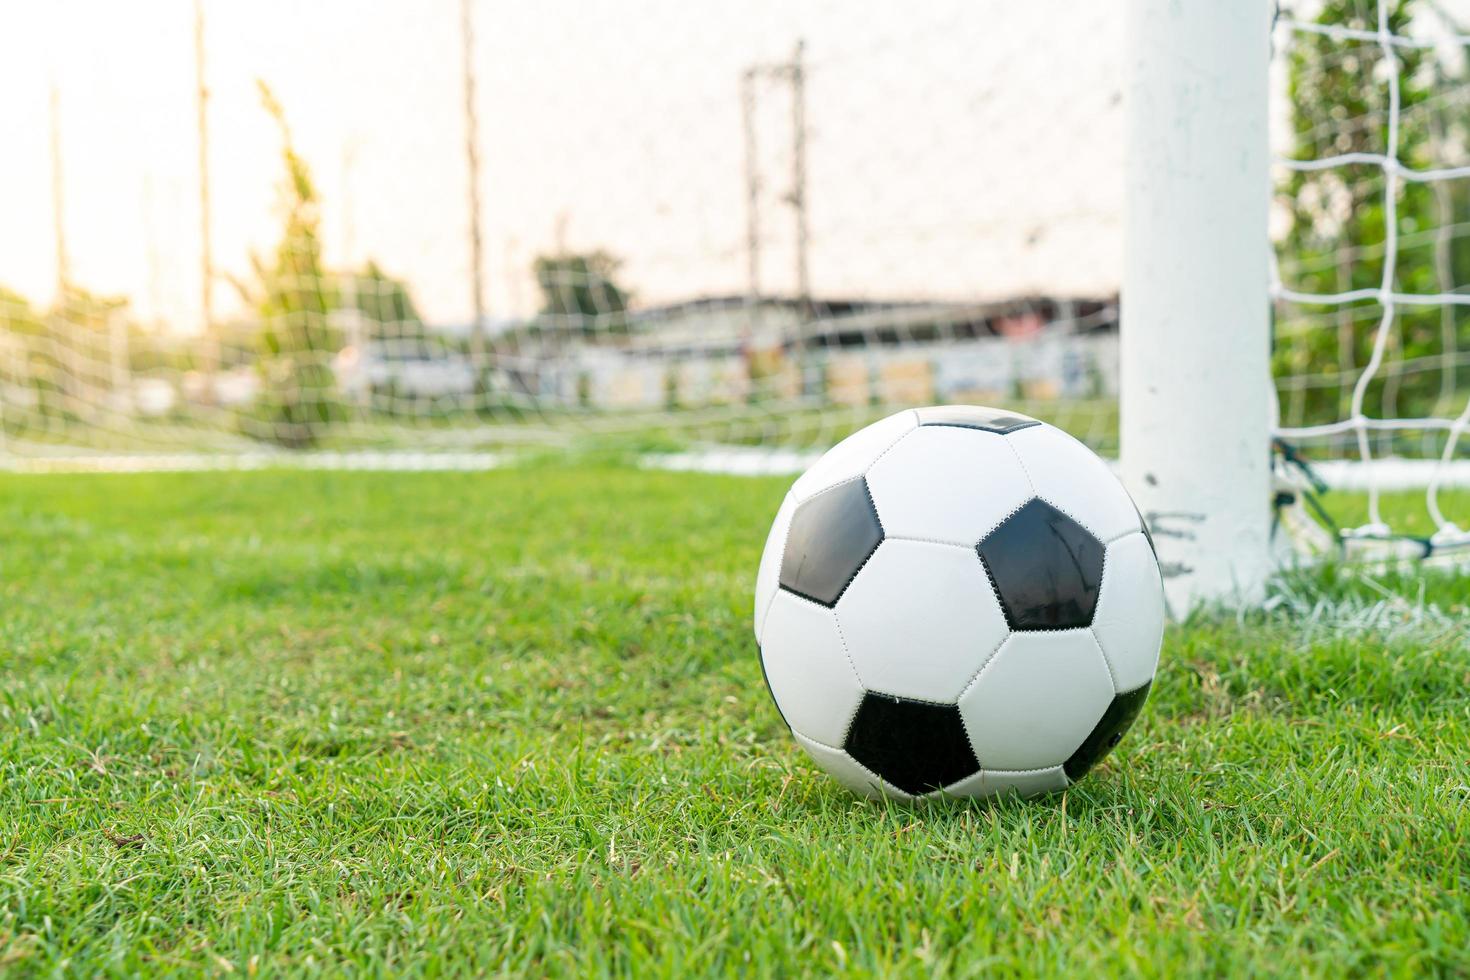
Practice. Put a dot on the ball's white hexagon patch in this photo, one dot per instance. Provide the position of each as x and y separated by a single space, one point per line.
767 578
1129 620
810 675
988 782
1072 478
846 770
852 456
920 619
945 483
1036 701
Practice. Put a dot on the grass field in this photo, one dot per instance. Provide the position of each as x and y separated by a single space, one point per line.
513 721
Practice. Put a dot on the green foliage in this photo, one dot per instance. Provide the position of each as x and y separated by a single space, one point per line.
17 316
294 297
580 294
440 724
1335 236
81 310
40 352
30 364
387 308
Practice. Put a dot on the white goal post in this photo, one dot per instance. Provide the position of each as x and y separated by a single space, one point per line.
1195 373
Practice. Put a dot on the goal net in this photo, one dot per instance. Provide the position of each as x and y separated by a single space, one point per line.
261 232
1372 334
746 232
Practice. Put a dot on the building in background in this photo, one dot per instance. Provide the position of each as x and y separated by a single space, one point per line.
728 349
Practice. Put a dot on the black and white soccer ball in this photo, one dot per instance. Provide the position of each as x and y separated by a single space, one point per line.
961 601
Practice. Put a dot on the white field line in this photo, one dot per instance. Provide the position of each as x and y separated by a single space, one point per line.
1391 474
234 462
735 461
1387 474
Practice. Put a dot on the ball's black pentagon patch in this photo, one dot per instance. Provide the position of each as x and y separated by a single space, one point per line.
974 417
917 746
1109 732
832 535
1046 568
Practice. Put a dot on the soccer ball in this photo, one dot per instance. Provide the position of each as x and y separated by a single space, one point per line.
958 601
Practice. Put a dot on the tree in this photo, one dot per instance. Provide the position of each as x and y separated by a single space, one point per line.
17 316
1336 227
385 304
580 293
29 360
293 297
67 354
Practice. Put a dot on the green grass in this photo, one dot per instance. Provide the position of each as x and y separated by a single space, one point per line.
513 721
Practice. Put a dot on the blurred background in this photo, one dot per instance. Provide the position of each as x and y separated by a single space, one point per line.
468 224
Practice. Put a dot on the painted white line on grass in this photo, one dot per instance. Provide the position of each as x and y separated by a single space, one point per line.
365 461
1387 474
735 461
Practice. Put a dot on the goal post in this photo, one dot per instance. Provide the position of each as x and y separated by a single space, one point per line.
1196 394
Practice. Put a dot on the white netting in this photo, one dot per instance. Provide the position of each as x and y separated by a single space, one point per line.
732 233
692 229
1372 280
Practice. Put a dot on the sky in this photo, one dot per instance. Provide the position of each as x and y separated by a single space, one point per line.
954 149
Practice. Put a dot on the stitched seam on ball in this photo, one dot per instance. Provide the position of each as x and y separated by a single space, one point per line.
848 654
905 697
1120 537
918 424
1017 453
983 771
1091 627
873 506
1036 492
1112 677
981 428
968 738
1017 772
947 544
1072 517
864 471
1008 515
990 577
760 638
832 486
996 589
853 577
975 679
882 784
780 558
1033 631
824 745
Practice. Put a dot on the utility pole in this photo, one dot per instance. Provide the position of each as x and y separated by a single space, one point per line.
211 345
798 177
120 362
513 275
58 210
472 154
793 73
752 190
351 282
150 232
